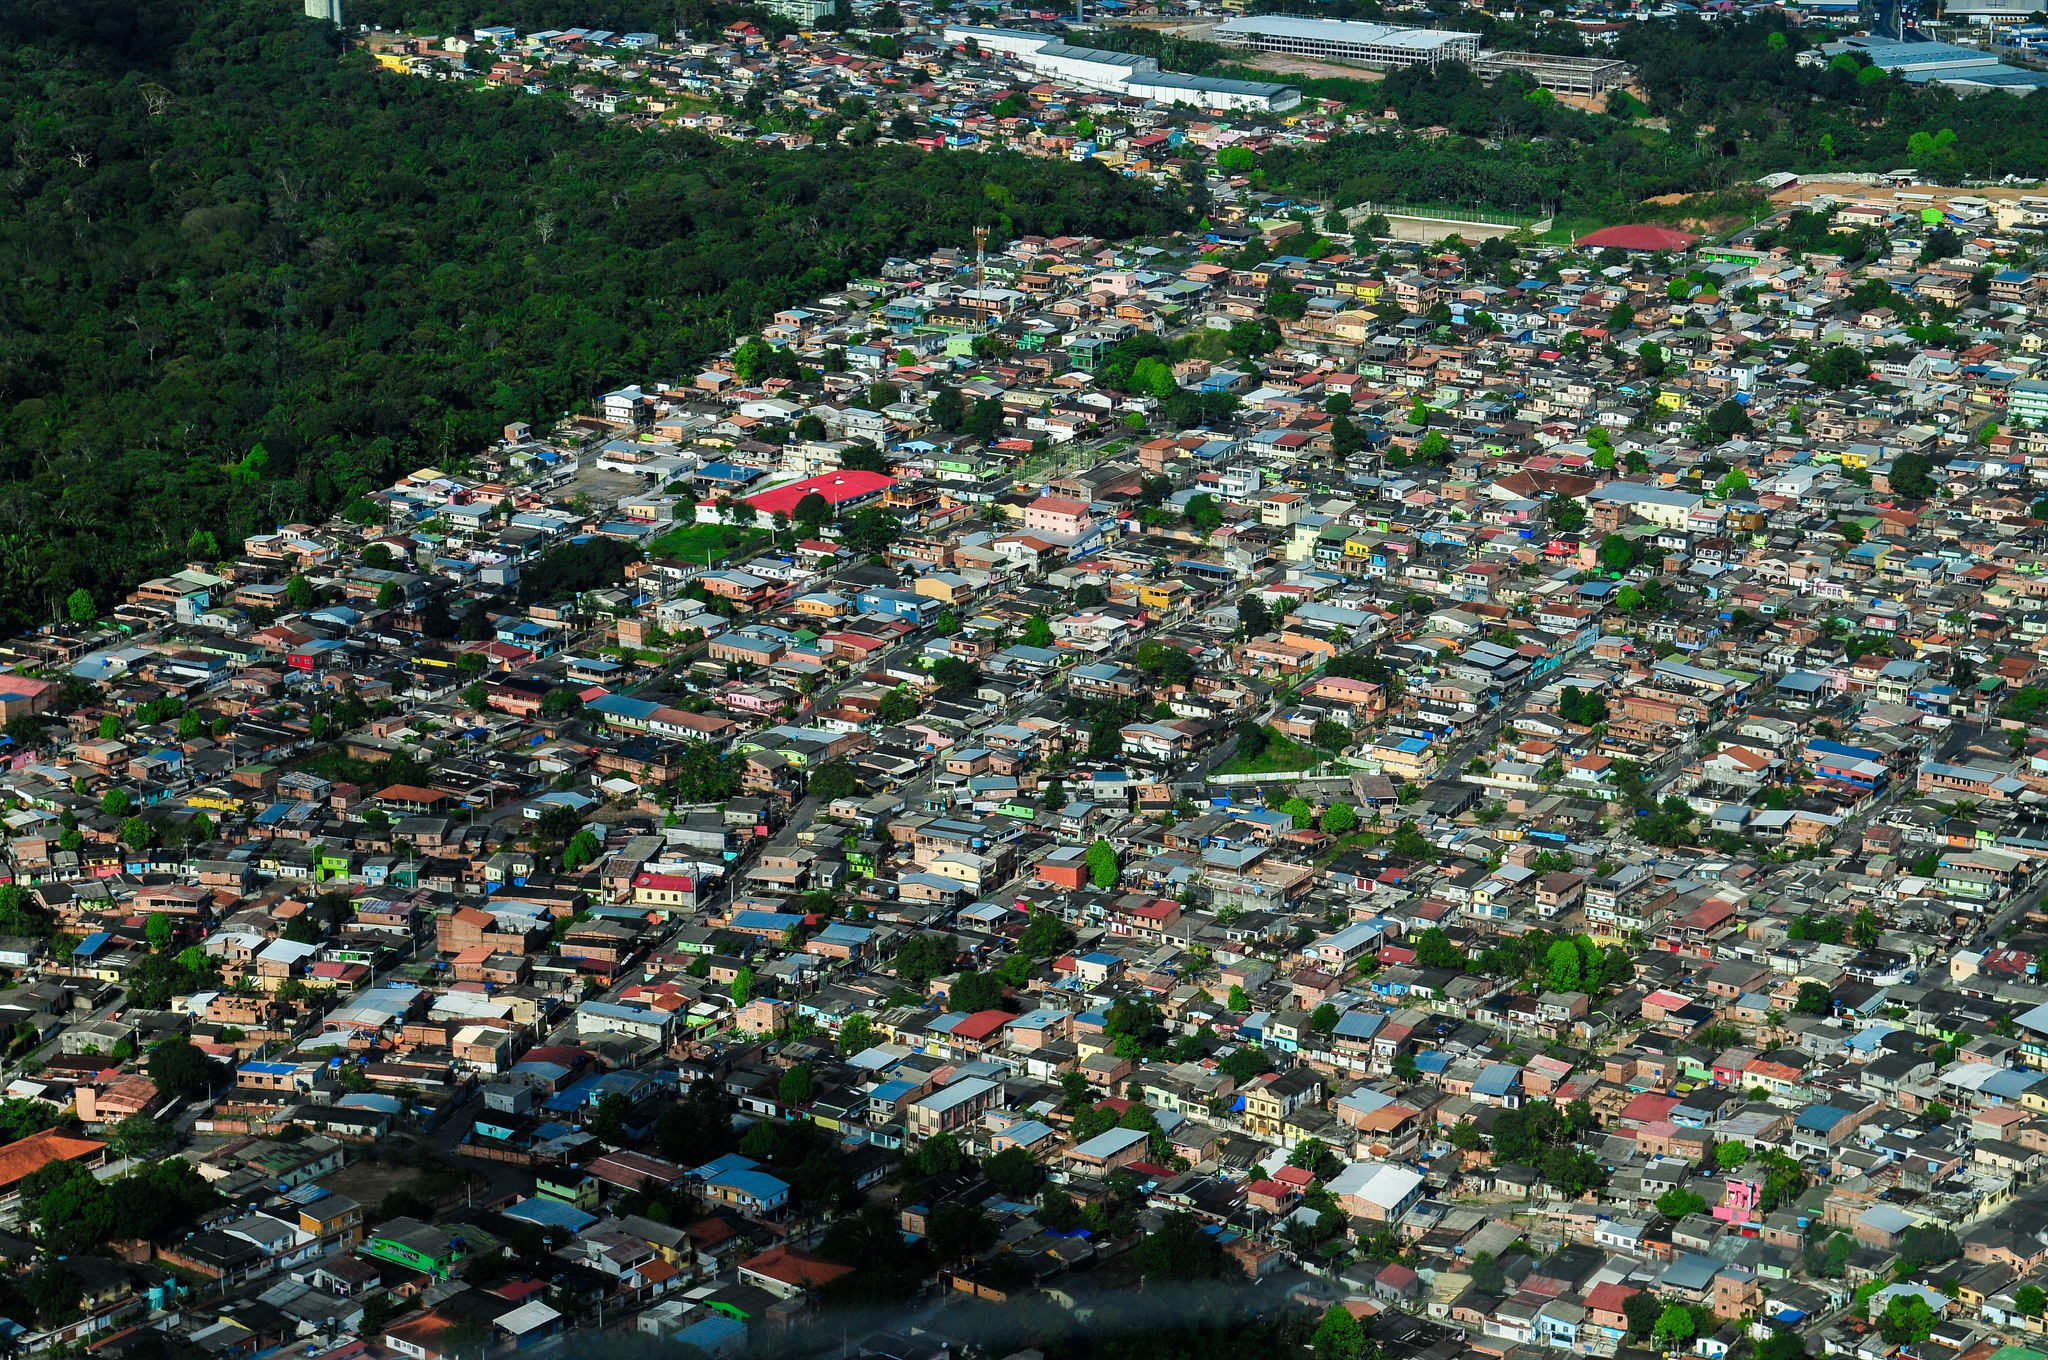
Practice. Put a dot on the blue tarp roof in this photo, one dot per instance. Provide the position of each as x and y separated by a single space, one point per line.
550 1213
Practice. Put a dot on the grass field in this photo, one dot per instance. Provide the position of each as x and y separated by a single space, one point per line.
689 542
1283 756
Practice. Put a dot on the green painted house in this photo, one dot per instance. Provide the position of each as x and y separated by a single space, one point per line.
415 1245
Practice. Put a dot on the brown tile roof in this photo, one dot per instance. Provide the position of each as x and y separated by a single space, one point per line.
38 1150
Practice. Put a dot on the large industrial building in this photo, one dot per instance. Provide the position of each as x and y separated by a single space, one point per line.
1345 40
1123 73
1965 70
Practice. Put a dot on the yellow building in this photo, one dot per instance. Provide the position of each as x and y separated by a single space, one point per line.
1162 594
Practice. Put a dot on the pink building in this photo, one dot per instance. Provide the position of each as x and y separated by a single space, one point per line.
1056 515
1740 1204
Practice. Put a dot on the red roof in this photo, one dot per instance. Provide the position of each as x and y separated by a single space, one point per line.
1639 238
1649 1106
38 1150
835 487
981 1024
1609 1297
795 1266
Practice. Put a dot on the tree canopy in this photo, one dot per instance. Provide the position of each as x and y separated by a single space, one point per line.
254 278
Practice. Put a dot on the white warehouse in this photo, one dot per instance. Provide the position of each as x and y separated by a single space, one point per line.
1346 40
1091 68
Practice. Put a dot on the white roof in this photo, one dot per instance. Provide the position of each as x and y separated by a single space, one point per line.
469 1006
1380 1183
1346 30
1114 1141
528 1316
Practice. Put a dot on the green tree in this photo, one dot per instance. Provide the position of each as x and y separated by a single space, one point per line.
1643 1308
140 1137
976 992
947 410
832 780
857 1035
79 606
1617 553
1562 967
1102 865
1911 475
940 1153
1906 1320
53 1291
1814 999
178 1068
1338 1336
742 988
1045 936
583 849
1339 819
608 1122
899 705
919 959
811 512
1014 1172
1841 366
1433 949
1182 1250
797 1086
1675 1328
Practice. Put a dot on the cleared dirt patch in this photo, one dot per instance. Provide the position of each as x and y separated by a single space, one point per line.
1286 64
367 1182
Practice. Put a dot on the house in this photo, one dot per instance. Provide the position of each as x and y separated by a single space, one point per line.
415 1245
950 1108
739 1183
786 1271
33 1153
1107 1151
1380 1191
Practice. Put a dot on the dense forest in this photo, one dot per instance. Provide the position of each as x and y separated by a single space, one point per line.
251 277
